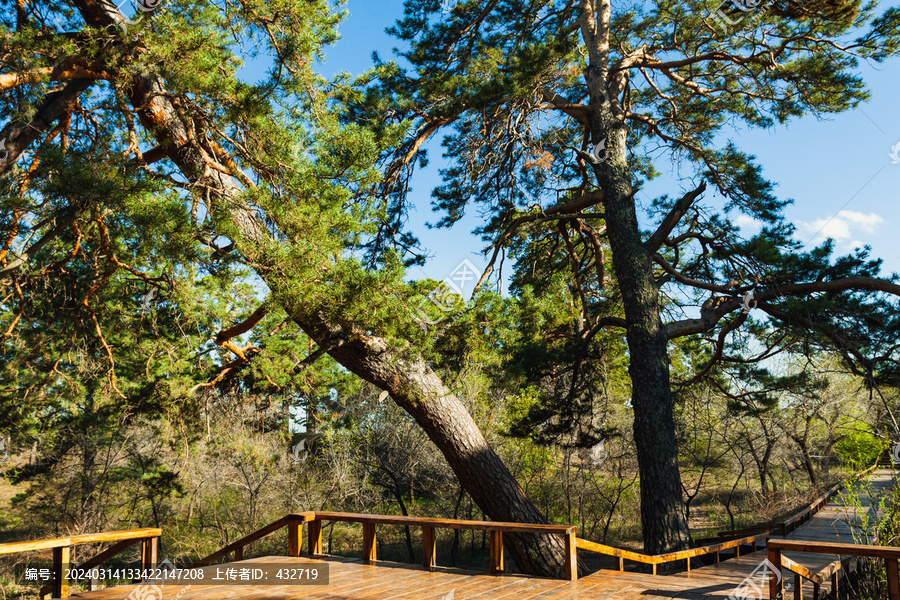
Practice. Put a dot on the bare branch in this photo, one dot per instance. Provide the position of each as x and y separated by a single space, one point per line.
570 207
579 112
249 323
665 228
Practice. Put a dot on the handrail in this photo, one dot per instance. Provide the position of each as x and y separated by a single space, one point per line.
294 523
445 523
832 569
800 572
656 559
428 525
74 540
890 554
62 552
291 521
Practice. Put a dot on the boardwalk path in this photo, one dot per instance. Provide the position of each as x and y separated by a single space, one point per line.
834 523
352 580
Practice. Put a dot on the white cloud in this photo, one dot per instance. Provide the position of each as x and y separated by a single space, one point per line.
844 228
747 224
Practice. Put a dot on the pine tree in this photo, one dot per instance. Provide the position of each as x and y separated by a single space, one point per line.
555 113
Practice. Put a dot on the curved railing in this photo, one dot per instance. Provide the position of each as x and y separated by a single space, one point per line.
801 516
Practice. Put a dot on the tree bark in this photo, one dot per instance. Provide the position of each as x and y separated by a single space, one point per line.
663 516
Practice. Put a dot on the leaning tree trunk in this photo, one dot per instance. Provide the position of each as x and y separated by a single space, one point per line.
410 381
663 516
415 387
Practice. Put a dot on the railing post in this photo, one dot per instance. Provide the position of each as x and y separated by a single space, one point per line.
370 554
238 553
496 551
620 563
295 537
798 587
149 550
571 557
893 578
61 558
315 537
776 585
429 549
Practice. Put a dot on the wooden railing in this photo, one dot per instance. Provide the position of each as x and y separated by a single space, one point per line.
294 524
685 555
62 552
829 572
496 529
890 555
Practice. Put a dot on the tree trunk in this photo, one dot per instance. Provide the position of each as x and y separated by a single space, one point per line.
398 495
803 443
663 517
810 468
805 457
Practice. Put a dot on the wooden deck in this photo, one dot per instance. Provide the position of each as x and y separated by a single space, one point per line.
351 579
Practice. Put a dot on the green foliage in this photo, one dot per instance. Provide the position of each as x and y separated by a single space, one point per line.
860 449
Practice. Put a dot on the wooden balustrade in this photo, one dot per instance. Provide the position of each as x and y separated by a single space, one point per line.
890 555
294 524
686 555
495 530
62 551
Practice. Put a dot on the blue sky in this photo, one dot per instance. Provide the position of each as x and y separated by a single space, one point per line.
837 170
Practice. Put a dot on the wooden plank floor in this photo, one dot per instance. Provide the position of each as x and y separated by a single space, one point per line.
350 579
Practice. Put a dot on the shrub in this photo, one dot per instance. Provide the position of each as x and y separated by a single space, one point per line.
860 449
